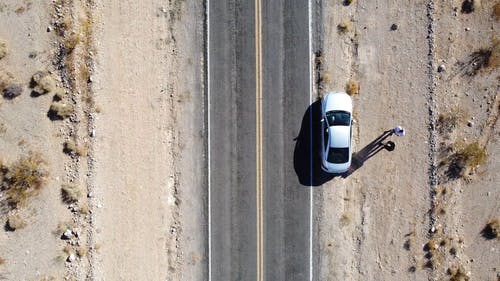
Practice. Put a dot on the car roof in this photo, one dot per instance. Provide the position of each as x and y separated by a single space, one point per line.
339 136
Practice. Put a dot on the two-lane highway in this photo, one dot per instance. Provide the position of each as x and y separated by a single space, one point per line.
259 87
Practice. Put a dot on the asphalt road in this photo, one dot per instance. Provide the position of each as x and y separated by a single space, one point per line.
259 94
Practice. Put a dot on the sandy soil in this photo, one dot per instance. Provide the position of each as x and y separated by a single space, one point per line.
133 73
376 222
132 70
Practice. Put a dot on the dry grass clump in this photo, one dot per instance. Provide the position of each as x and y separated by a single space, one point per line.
352 87
345 26
72 148
15 221
3 49
6 79
22 179
450 120
491 230
457 273
42 83
71 192
60 110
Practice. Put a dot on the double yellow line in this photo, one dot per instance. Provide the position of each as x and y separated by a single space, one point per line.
258 142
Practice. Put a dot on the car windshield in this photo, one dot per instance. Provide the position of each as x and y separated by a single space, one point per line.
338 118
338 155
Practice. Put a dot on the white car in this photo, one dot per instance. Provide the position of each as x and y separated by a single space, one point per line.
336 132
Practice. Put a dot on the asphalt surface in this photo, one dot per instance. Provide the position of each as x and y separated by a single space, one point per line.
273 243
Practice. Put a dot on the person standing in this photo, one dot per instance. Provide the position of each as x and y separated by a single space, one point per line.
399 131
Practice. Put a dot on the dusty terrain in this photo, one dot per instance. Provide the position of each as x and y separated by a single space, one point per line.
405 214
121 149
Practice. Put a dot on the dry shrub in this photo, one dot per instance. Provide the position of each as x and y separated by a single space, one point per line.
71 192
468 6
457 273
3 49
345 220
22 179
60 110
72 148
71 42
494 58
352 87
496 11
465 157
15 221
345 26
6 78
491 230
82 252
12 91
450 120
42 83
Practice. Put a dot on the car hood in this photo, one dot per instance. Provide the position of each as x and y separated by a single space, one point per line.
339 136
338 101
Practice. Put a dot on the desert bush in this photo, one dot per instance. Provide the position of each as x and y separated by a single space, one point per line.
491 230
15 221
450 120
494 58
71 42
352 87
60 110
72 148
6 78
71 192
457 273
3 49
465 157
468 6
82 251
345 26
42 83
12 91
22 179
496 11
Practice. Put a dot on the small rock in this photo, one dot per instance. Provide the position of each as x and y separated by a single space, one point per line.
467 29
71 257
92 133
49 28
394 27
441 68
470 124
433 229
68 234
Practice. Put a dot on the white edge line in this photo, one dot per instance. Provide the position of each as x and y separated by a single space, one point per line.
209 175
310 170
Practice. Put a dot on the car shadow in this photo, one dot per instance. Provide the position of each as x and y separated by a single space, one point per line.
307 154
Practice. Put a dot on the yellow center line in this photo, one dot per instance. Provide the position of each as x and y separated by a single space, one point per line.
258 143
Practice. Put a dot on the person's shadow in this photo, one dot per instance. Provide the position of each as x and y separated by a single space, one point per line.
307 154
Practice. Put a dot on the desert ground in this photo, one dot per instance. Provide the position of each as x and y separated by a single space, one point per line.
102 141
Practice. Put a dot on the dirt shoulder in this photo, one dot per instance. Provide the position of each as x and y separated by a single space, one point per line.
402 215
123 118
147 85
